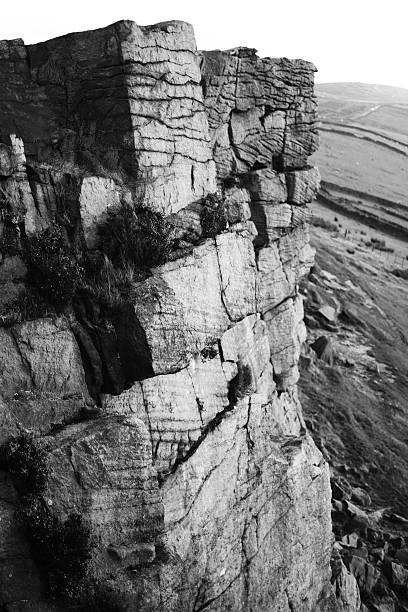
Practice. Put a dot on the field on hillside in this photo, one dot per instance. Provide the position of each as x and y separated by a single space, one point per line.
357 406
363 156
369 167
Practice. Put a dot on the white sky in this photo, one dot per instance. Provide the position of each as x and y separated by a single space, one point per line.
348 40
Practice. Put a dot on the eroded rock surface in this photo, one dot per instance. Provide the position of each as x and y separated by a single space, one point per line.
172 427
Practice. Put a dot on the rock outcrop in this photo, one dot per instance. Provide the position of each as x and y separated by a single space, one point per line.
170 424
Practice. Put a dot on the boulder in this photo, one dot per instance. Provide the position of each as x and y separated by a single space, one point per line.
323 347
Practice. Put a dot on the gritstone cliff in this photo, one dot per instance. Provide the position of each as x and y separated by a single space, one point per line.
164 410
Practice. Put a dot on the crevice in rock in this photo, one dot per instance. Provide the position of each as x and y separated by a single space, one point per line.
23 358
207 429
154 448
210 601
222 288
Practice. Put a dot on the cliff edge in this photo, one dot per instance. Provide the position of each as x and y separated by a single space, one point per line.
153 232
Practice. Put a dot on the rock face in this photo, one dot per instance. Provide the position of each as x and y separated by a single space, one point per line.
131 98
196 478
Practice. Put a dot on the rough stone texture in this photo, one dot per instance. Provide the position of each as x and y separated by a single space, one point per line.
97 197
188 304
210 494
302 185
261 111
42 380
347 591
130 100
287 333
196 476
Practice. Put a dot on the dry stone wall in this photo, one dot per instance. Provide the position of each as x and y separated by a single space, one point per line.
175 429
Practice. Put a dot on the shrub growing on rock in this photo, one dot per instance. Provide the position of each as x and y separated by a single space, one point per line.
28 305
108 284
52 268
23 458
213 216
141 238
61 548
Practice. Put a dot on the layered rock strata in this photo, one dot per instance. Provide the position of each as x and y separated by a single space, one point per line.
196 477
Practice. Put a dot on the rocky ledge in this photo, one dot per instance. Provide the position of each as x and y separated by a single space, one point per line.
154 449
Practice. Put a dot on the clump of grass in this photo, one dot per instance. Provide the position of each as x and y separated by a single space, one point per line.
141 238
52 267
109 285
213 216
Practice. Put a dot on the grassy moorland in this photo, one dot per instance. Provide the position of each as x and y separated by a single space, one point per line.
363 156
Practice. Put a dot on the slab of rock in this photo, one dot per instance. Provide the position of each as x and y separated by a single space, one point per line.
302 185
42 380
286 334
188 304
197 500
175 407
40 355
281 266
267 186
347 592
399 575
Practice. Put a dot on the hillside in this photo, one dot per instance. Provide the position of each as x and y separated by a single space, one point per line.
363 92
363 155
354 379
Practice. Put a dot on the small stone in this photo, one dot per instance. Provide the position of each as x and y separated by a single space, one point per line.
378 553
351 540
360 496
323 347
402 555
328 313
399 575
